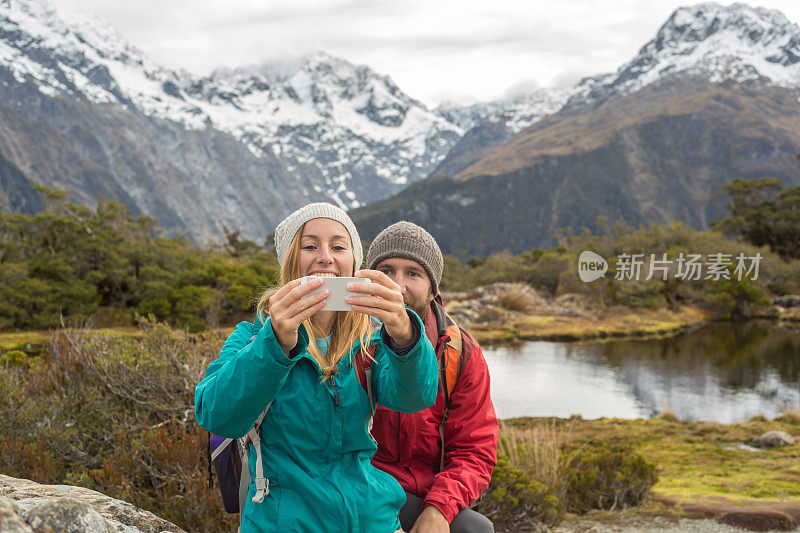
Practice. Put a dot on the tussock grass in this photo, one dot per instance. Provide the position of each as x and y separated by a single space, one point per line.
114 413
700 461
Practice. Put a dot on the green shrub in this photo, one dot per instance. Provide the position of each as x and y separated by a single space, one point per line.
514 499
668 416
734 299
15 358
607 479
789 417
120 420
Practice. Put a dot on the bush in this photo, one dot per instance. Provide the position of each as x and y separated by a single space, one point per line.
608 479
490 315
668 416
514 499
115 414
733 299
103 264
528 483
16 358
789 417
516 300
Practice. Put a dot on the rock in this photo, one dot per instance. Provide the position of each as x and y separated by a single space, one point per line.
771 439
450 297
10 521
492 303
68 515
465 312
759 520
788 300
32 502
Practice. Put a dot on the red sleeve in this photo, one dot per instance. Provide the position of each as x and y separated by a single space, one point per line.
470 436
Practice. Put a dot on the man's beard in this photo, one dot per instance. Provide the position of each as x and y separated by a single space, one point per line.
418 306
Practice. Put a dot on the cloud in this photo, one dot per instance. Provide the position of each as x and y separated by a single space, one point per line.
460 47
570 77
306 12
520 88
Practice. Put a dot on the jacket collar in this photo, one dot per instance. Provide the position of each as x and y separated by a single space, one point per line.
435 321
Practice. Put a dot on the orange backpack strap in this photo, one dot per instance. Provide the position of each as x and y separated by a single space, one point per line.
452 356
450 365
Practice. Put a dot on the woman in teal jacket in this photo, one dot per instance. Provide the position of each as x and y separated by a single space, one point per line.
315 442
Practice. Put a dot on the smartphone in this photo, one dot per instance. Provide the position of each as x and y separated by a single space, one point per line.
337 287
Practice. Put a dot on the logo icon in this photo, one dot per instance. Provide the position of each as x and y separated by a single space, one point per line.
591 266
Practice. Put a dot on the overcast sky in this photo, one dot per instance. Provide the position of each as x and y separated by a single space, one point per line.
467 50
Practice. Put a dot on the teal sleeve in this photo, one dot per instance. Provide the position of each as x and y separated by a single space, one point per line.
405 383
248 374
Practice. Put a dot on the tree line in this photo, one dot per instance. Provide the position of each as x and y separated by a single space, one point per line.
100 266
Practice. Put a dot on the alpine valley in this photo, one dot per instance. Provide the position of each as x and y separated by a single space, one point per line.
712 97
82 109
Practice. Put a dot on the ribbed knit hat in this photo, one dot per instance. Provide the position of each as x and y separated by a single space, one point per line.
287 229
407 240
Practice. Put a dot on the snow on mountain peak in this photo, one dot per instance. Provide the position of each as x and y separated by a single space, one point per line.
749 24
737 42
338 126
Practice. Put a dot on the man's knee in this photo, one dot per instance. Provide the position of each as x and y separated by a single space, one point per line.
469 521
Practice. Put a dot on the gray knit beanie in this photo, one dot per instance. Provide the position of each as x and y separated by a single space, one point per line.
287 229
407 240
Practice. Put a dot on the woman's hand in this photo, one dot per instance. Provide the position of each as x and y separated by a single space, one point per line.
385 302
288 309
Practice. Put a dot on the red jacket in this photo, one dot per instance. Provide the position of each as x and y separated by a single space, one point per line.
409 445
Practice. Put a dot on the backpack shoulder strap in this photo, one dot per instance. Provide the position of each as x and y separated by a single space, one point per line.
450 364
454 356
262 483
363 368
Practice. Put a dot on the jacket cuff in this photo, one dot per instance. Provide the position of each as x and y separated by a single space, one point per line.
300 347
447 510
401 351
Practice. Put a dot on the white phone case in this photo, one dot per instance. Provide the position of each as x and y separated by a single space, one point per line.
337 287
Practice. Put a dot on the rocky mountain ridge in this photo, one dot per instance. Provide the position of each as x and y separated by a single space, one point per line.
312 128
650 143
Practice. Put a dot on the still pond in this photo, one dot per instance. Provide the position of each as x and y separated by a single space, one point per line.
720 372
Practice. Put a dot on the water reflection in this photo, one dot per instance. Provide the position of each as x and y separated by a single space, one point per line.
720 372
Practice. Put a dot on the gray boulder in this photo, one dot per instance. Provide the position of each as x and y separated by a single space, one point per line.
788 300
66 515
10 521
771 439
44 508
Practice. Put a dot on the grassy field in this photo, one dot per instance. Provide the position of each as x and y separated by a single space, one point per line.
620 322
698 461
32 341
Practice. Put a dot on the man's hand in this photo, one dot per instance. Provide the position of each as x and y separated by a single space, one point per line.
431 520
383 300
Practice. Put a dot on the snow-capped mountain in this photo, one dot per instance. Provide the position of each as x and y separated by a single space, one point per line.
736 42
497 127
466 116
531 108
715 95
339 129
323 116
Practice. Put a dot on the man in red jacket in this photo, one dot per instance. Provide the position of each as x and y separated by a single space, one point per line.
439 487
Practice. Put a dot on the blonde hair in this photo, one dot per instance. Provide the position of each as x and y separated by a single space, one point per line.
348 328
